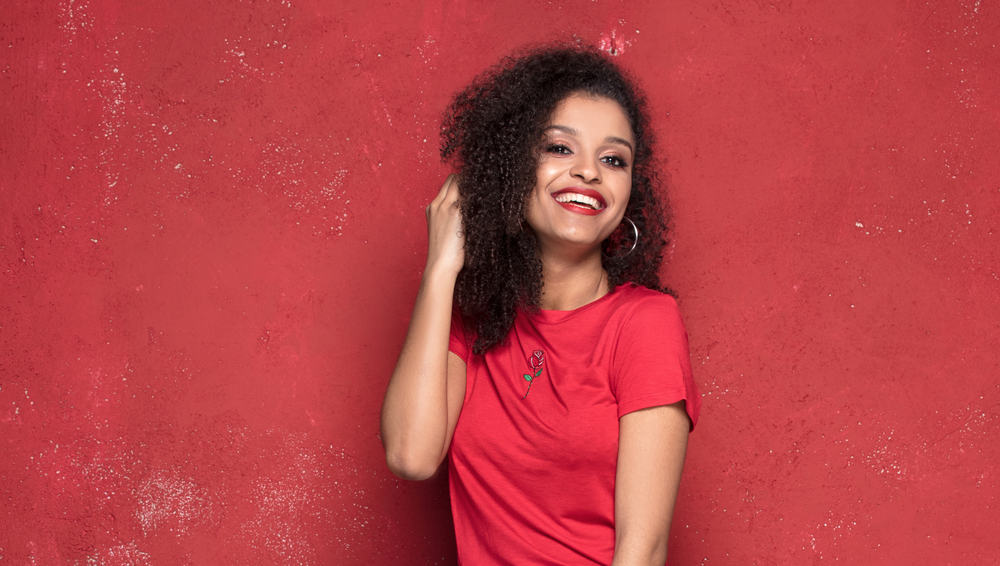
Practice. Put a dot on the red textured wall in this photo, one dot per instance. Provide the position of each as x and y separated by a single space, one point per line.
211 233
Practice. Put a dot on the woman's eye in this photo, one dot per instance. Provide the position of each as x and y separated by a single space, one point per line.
558 148
614 161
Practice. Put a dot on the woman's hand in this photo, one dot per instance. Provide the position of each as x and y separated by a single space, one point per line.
445 241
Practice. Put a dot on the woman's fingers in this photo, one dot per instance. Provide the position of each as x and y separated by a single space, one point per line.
449 190
444 223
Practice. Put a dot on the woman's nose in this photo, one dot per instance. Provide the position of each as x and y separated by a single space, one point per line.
586 169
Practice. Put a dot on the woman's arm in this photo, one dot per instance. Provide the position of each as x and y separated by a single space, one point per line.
427 388
651 447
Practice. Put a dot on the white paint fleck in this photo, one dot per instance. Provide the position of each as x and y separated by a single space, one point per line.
121 554
74 17
613 43
166 499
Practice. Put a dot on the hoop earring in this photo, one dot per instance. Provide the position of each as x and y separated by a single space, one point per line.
635 230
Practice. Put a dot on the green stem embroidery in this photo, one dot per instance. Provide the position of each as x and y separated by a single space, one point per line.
537 358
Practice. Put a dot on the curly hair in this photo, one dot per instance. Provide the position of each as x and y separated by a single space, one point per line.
491 133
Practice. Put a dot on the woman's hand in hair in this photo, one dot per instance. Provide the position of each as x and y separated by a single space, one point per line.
445 240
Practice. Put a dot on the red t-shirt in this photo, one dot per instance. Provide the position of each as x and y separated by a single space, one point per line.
532 461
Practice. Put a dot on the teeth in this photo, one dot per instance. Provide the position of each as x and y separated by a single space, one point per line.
579 199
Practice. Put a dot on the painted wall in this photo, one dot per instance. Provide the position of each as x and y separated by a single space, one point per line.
211 233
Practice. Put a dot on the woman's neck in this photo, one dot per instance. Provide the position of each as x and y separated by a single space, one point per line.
567 285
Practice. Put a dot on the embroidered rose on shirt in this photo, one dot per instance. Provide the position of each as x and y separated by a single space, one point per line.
536 363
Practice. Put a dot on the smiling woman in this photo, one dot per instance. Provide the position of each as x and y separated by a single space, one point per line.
495 132
584 179
560 388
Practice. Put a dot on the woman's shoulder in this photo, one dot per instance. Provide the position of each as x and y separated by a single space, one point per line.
641 309
635 295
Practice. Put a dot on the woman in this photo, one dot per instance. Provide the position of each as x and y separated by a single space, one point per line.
560 388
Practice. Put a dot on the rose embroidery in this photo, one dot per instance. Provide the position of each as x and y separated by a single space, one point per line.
536 363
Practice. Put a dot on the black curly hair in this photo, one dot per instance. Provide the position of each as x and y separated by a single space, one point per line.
491 133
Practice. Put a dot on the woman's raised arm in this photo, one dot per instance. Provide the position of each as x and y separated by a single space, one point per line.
427 388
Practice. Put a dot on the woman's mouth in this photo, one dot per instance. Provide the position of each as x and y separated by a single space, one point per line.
580 201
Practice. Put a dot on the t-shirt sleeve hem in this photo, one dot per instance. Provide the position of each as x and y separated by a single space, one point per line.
458 339
460 352
657 401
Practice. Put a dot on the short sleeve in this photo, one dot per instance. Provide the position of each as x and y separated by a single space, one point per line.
458 340
652 366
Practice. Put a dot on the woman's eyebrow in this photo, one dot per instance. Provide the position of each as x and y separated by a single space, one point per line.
622 141
574 132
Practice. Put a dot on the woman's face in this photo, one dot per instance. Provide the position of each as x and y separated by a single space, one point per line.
584 174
